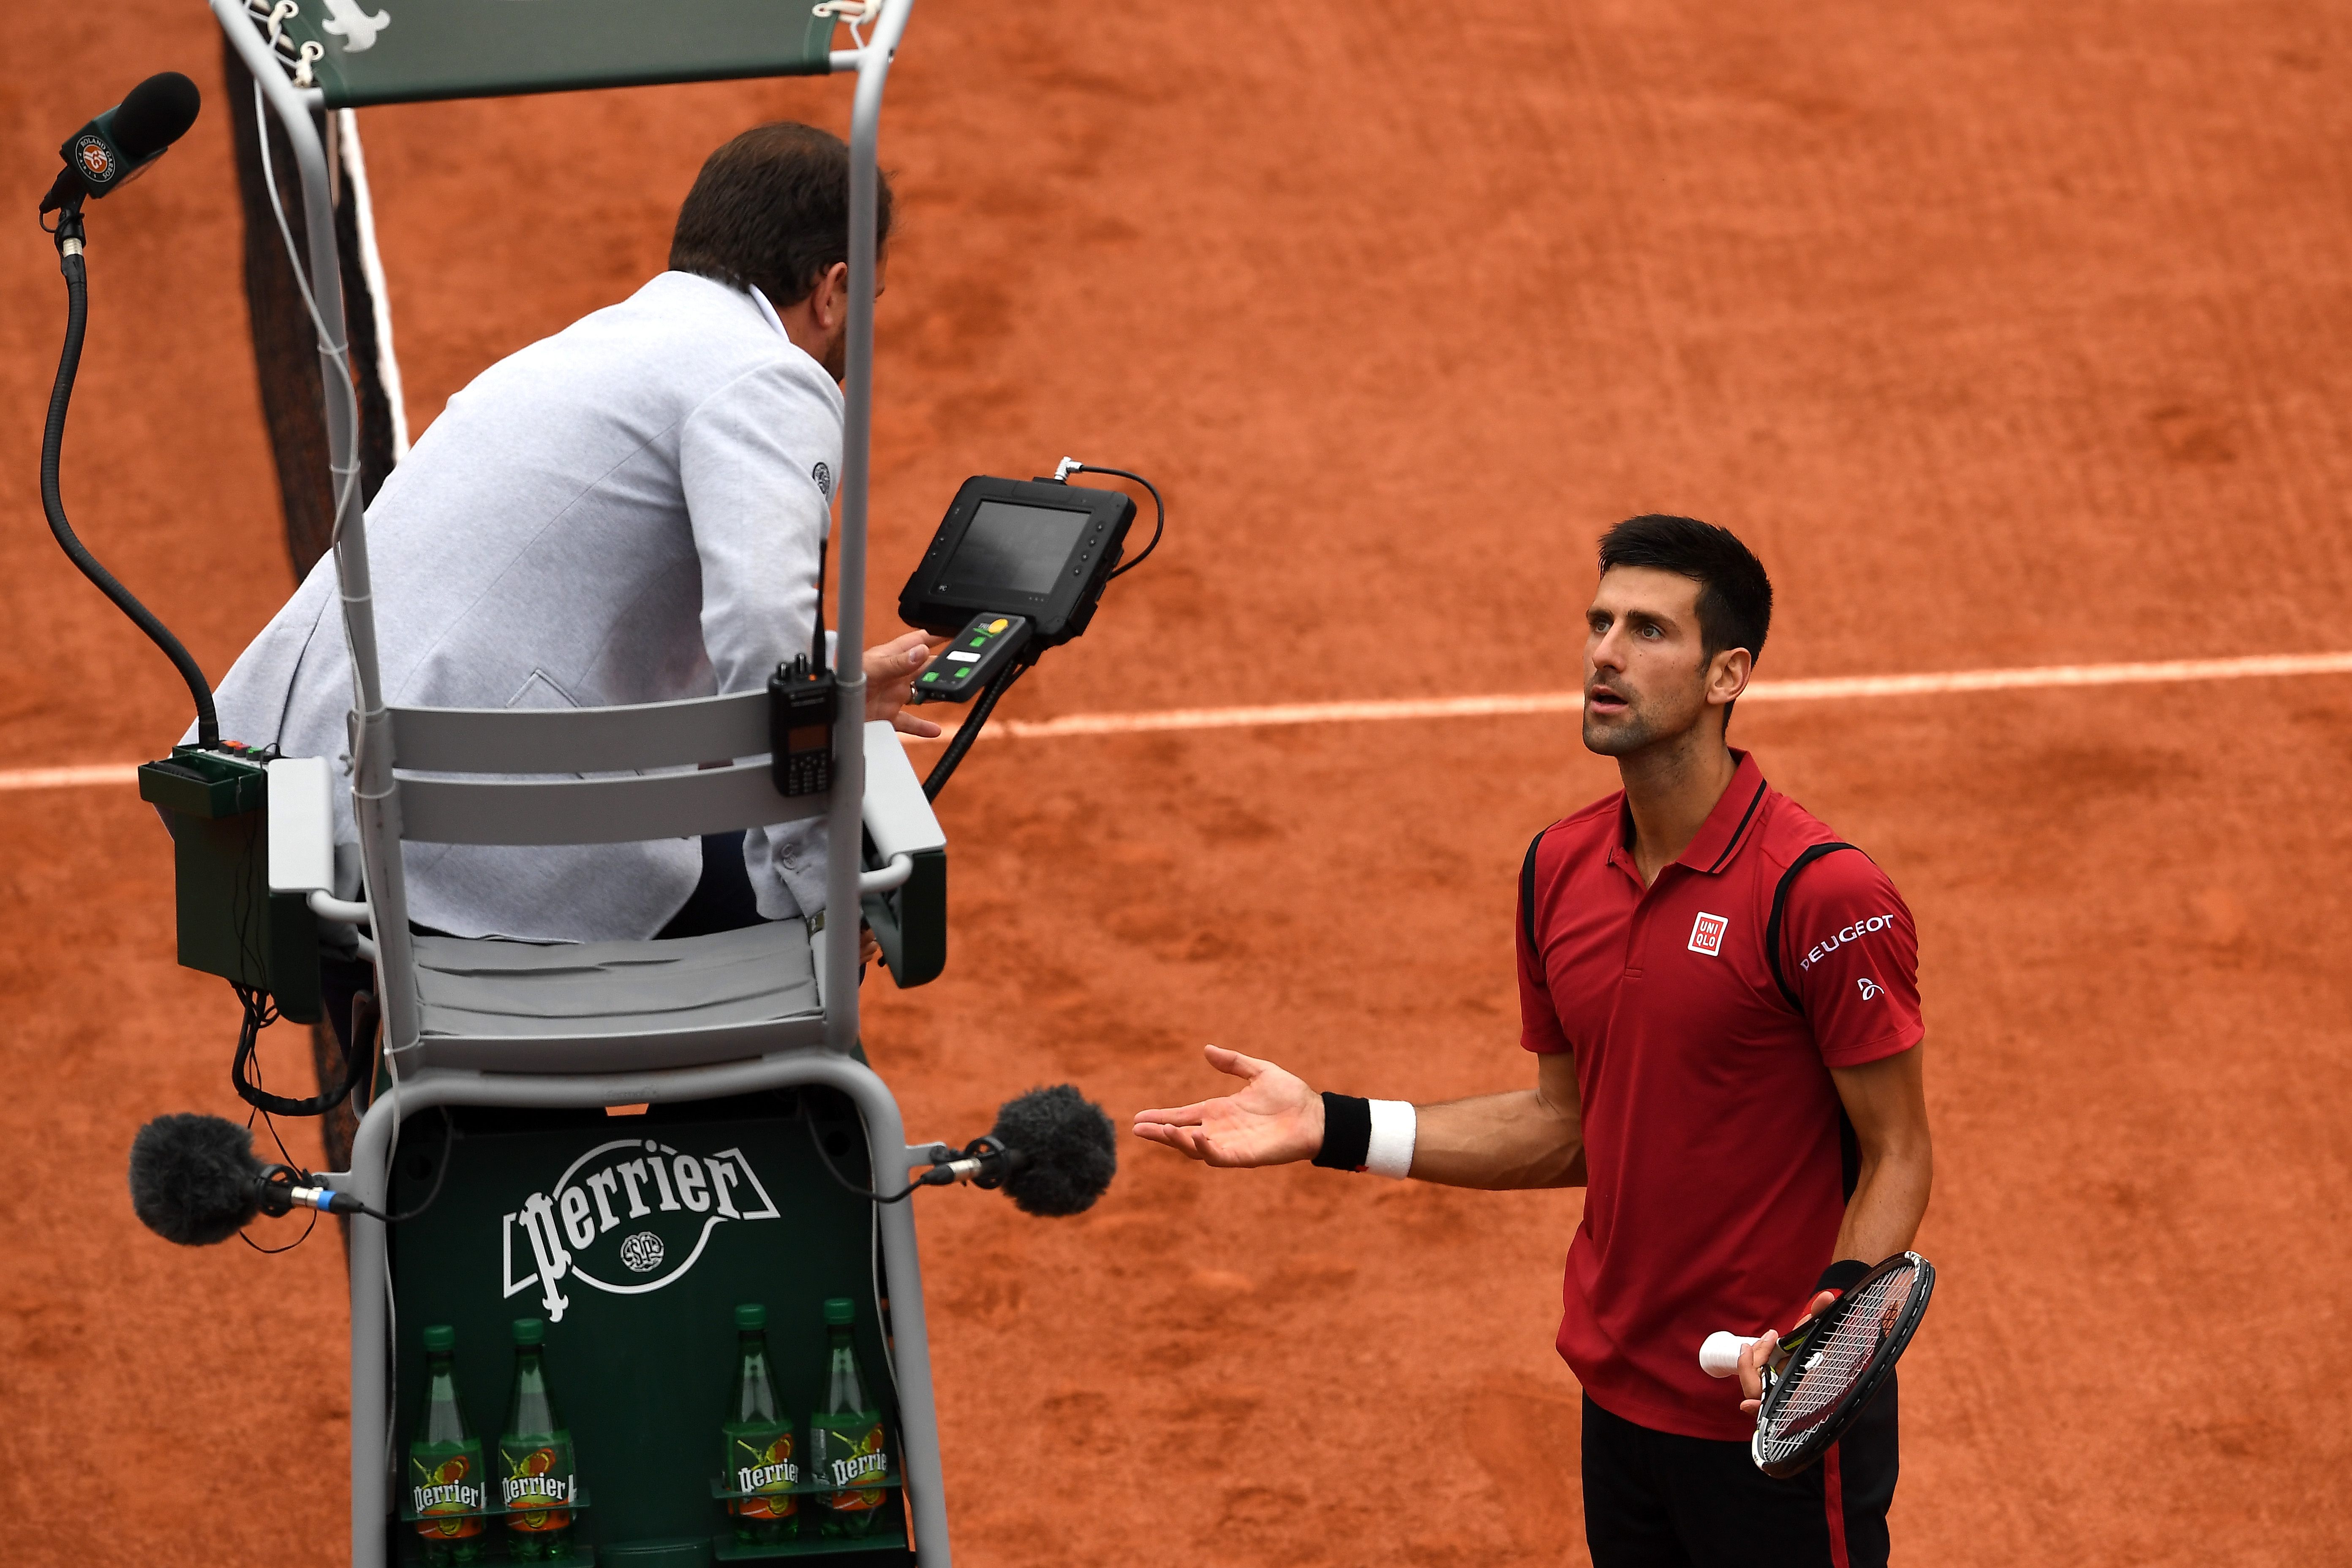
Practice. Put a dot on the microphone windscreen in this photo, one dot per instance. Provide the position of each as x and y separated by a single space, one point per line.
192 1178
154 115
1072 1150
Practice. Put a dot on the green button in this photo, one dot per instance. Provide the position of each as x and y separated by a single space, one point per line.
980 641
930 675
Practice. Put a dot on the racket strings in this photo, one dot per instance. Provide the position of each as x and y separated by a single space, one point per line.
1826 1370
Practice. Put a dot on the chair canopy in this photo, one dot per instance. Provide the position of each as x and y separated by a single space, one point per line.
406 51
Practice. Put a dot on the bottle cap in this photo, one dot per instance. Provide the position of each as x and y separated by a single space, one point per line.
841 1310
440 1337
751 1315
529 1330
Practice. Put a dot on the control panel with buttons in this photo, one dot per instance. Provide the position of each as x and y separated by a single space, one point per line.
979 653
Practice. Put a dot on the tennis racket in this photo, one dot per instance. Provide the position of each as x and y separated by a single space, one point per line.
1828 1370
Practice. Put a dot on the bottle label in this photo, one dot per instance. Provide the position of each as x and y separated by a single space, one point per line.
844 1450
760 1460
537 1485
447 1490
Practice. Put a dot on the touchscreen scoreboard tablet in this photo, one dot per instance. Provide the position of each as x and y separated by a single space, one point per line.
1029 548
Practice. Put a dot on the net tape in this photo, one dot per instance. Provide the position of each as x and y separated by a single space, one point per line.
1824 1373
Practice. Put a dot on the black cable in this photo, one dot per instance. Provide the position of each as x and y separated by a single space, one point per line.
942 769
261 1012
53 437
448 1142
848 1186
1159 522
308 1224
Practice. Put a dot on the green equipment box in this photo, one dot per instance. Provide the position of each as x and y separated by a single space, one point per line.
636 1238
231 924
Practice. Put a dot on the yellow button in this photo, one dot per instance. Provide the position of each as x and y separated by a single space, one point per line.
999 623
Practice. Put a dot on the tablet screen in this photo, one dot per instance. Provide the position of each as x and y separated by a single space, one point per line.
1008 547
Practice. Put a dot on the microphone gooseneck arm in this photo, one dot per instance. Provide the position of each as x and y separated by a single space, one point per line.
53 435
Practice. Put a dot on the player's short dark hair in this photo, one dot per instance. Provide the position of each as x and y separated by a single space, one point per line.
1735 598
771 211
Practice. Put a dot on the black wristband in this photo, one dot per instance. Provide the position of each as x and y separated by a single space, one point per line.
1347 1133
1840 1276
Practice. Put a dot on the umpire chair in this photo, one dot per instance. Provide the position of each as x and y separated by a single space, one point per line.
500 1059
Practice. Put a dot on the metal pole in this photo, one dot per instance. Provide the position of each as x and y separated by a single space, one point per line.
374 801
925 1493
842 914
375 804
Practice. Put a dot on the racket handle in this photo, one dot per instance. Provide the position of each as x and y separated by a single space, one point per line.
1719 1356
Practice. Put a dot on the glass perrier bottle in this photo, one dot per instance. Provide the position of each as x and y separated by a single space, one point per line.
447 1490
847 1443
537 1483
756 1442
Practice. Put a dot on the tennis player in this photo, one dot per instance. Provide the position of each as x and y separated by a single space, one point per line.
1723 1005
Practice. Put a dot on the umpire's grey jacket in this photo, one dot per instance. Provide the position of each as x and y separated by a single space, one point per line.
628 511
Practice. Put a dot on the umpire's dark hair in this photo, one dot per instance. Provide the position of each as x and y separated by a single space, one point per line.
1735 598
771 211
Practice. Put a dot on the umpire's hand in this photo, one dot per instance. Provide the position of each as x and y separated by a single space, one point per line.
1272 1120
891 672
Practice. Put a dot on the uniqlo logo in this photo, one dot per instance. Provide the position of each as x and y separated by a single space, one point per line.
1707 935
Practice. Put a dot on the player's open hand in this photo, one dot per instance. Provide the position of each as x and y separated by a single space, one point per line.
1272 1120
1752 1359
891 672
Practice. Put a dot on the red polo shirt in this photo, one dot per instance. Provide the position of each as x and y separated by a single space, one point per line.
1711 1125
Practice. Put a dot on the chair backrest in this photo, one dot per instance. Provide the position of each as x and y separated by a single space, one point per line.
403 51
690 736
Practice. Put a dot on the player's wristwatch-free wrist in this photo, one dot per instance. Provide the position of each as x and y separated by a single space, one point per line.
1840 1275
1374 1135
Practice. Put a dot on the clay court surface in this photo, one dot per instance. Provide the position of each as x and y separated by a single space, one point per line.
2011 335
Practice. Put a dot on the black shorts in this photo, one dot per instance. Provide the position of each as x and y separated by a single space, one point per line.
1655 1499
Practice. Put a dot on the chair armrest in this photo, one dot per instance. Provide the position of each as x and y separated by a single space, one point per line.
909 920
898 819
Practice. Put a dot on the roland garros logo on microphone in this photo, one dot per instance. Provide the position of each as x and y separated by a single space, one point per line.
626 1217
96 158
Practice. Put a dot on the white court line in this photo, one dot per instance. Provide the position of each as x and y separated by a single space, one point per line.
1825 689
69 778
1819 690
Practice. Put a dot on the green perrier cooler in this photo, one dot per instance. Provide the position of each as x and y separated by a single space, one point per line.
537 1483
756 1442
846 1444
447 1488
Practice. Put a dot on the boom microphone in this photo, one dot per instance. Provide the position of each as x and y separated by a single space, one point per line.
124 140
194 1181
1051 1151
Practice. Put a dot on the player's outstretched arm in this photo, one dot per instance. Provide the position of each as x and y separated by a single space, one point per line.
1273 1118
1526 1138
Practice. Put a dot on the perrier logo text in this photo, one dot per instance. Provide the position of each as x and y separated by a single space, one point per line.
451 1495
628 1215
